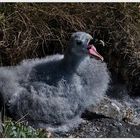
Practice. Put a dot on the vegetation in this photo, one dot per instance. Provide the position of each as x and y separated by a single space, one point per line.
14 129
29 30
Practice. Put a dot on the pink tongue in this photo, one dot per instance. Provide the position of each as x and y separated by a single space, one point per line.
93 52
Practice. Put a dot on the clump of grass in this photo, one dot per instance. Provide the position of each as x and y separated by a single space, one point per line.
14 129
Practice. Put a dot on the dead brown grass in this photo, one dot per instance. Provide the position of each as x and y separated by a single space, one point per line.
29 30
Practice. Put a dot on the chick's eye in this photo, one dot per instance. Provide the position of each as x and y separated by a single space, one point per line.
79 42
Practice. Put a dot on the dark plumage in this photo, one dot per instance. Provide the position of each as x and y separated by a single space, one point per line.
53 92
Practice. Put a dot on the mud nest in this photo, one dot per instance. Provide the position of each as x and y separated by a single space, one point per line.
29 30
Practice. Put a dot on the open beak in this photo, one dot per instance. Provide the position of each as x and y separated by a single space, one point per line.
93 52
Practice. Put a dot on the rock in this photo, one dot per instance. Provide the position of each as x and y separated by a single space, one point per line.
112 109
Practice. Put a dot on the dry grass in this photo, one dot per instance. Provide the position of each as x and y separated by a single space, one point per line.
36 30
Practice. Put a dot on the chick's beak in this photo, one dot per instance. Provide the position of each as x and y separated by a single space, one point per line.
93 52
